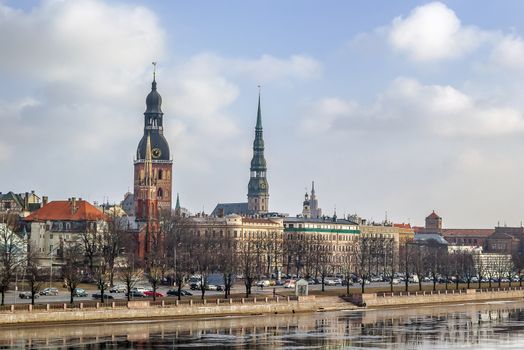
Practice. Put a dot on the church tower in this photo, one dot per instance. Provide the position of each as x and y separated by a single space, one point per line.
316 212
258 190
161 164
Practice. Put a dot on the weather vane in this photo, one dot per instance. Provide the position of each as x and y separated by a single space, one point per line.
154 70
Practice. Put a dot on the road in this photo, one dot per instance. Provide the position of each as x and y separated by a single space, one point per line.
11 297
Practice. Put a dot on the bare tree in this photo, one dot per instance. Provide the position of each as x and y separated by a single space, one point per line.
363 260
480 267
321 258
416 262
179 240
12 255
33 274
246 252
128 273
391 260
467 266
71 270
227 262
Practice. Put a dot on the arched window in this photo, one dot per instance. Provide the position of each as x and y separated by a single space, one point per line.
160 174
160 193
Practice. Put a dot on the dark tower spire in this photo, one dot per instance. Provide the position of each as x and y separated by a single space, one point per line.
153 164
258 191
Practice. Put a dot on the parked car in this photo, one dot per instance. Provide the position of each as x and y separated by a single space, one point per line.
194 286
395 281
27 295
49 291
329 282
136 294
79 292
119 288
140 289
289 284
149 293
263 283
99 296
174 292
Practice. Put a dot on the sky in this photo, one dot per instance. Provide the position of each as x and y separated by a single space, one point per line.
397 107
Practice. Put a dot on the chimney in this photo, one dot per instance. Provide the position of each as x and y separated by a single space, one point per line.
73 205
26 201
44 200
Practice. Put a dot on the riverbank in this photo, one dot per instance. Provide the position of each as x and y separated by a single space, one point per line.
435 297
144 310
137 310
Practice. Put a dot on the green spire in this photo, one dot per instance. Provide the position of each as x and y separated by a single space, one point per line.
177 206
258 162
259 114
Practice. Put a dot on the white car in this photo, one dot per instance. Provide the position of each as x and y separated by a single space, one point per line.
289 284
263 283
119 288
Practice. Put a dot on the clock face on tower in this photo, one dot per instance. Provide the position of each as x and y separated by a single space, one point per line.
156 152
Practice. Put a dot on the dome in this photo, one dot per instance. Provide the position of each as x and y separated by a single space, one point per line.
158 142
153 100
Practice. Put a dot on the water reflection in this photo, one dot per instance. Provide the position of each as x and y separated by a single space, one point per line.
491 325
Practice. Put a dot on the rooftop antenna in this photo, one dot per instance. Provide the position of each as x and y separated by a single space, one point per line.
154 70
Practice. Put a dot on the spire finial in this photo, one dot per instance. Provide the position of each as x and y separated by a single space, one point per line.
154 70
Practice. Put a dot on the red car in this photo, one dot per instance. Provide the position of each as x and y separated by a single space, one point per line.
149 293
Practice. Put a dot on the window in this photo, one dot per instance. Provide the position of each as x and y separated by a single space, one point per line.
160 174
51 236
160 193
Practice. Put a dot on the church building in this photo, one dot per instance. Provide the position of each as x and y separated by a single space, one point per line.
153 168
258 188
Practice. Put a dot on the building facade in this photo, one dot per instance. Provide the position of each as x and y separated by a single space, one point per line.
335 239
19 203
266 233
58 223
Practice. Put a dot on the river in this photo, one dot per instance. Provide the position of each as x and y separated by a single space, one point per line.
495 325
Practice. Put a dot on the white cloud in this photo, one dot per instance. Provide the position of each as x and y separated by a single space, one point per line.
433 32
325 112
409 105
509 53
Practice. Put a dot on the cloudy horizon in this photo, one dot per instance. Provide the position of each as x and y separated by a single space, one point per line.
413 108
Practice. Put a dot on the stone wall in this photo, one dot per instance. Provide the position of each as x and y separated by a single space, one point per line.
144 310
435 297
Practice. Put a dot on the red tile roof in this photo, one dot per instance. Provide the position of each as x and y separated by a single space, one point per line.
62 210
402 225
469 232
